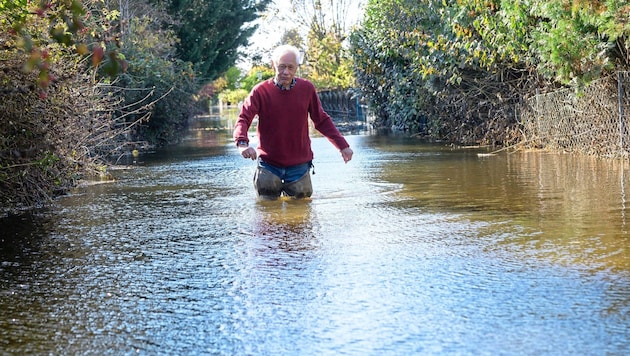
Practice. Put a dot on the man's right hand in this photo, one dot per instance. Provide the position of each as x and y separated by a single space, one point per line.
248 152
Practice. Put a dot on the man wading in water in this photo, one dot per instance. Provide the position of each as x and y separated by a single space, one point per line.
283 105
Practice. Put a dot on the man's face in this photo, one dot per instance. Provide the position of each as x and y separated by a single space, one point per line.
285 69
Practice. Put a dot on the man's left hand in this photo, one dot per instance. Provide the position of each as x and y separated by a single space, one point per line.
346 153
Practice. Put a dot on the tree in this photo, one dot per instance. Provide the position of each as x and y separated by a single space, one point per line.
211 31
329 64
234 88
157 90
326 17
292 37
320 28
255 76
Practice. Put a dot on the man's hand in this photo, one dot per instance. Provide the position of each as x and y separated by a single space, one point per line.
346 153
249 152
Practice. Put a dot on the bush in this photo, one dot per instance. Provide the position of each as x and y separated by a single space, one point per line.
47 144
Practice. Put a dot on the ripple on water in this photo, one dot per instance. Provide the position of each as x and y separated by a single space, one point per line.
178 258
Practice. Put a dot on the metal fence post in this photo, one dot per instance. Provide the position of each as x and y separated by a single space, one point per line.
537 117
620 103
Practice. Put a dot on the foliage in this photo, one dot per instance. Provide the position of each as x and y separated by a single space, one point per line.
158 87
255 75
48 143
328 63
577 42
569 42
241 87
40 27
230 86
233 88
14 13
378 52
219 84
472 57
292 37
212 30
326 23
232 76
233 96
79 79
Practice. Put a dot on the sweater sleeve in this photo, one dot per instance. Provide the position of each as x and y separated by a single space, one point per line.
249 110
324 123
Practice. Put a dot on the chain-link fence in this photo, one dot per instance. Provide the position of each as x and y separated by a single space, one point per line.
593 122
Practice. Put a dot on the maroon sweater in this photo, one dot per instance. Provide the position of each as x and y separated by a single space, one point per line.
283 128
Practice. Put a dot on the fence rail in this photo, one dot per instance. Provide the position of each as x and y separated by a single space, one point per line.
343 105
594 122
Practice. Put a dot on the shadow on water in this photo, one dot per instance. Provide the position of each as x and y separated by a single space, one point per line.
23 229
23 241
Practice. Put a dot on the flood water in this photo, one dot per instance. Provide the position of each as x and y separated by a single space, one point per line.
408 249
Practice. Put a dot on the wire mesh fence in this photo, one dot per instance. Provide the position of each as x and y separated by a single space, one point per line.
593 122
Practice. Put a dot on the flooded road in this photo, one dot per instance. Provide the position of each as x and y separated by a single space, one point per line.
408 249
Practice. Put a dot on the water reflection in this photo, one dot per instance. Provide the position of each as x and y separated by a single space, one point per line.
571 209
409 249
291 223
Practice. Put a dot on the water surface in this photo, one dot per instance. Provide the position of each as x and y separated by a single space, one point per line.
408 249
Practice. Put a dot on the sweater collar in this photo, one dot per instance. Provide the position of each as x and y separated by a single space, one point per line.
280 86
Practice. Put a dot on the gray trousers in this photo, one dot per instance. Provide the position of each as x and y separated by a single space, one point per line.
269 186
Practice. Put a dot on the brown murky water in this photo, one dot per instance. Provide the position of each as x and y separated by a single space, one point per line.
408 249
